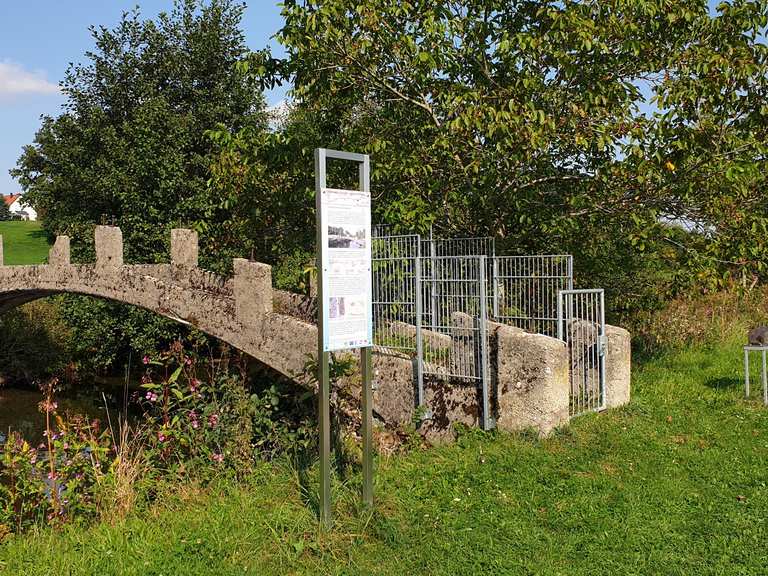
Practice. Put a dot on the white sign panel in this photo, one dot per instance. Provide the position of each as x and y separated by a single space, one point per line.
345 217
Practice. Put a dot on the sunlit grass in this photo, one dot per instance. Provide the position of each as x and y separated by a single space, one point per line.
23 243
674 483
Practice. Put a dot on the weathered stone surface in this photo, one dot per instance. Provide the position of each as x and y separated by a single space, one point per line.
253 290
297 305
618 366
184 248
109 246
394 388
451 403
532 381
59 252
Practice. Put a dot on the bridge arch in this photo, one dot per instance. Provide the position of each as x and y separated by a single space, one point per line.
238 311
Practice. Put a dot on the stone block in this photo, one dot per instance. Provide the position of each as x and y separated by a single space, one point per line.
532 381
59 252
394 394
252 287
109 246
618 366
184 248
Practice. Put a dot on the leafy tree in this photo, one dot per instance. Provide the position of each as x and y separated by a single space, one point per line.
129 146
630 133
5 211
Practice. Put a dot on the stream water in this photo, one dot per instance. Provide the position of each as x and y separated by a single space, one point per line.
19 408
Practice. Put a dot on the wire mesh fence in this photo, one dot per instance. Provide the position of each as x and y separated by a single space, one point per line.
434 298
455 330
581 325
525 290
395 293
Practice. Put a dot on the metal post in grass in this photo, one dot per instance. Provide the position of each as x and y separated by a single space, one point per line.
345 304
764 369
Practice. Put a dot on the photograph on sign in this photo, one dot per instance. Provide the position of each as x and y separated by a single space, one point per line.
347 301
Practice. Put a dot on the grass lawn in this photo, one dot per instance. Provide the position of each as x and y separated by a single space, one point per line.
674 483
23 243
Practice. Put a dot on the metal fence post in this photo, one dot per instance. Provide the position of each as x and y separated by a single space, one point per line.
433 286
419 337
746 372
560 315
603 350
484 364
495 287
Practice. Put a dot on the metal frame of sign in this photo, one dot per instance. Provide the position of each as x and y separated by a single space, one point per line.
323 357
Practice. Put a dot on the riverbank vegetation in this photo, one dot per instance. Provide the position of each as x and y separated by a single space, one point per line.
673 483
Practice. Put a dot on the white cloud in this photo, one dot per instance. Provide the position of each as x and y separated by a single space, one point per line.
14 81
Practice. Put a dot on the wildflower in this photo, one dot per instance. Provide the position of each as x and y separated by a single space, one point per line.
217 457
213 420
48 406
193 384
161 437
51 475
193 419
188 361
145 360
151 396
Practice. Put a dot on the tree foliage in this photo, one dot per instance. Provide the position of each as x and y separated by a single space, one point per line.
130 149
5 211
630 133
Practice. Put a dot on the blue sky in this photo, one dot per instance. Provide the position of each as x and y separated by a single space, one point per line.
38 40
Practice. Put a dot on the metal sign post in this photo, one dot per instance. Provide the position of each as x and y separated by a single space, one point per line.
345 312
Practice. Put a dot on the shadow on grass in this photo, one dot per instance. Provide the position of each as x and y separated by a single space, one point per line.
40 233
724 382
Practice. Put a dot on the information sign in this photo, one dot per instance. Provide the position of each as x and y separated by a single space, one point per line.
345 218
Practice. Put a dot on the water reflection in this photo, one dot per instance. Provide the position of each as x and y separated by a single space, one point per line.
19 411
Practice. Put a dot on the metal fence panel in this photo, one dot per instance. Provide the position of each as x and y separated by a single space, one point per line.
525 290
455 331
394 291
581 324
397 320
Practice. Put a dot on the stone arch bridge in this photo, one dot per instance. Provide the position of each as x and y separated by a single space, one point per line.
239 310
530 372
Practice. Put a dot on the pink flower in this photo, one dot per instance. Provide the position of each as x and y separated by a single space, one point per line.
161 437
213 420
151 396
188 361
145 360
218 458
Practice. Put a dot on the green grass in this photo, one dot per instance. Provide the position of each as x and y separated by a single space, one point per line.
23 243
674 483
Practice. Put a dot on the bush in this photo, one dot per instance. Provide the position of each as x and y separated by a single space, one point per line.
699 319
199 420
35 342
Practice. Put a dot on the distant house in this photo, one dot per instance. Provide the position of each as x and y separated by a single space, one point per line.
19 208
